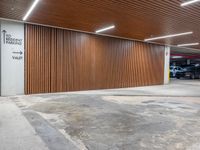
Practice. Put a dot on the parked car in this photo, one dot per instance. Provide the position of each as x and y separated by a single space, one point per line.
191 72
174 70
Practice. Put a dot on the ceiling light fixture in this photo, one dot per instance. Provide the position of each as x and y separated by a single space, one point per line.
176 57
105 29
168 36
189 44
189 2
31 9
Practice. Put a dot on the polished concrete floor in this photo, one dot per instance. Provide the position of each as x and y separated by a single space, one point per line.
144 118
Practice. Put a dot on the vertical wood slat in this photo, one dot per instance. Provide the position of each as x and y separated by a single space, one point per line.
59 60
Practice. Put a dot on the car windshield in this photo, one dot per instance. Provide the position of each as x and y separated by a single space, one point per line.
189 68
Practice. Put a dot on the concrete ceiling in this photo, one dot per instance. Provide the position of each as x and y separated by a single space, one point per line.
180 50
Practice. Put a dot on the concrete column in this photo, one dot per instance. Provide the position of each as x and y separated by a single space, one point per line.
188 61
167 65
12 58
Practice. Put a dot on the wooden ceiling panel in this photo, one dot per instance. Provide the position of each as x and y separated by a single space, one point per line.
135 19
14 9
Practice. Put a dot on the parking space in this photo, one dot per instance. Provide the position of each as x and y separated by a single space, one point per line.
184 64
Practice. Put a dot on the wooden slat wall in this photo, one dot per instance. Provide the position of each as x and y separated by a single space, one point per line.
59 60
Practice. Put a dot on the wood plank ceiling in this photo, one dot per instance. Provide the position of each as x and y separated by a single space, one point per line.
135 19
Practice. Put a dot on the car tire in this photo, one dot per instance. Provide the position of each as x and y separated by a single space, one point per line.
177 77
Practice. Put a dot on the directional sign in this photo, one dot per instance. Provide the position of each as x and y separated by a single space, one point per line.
12 58
20 52
4 36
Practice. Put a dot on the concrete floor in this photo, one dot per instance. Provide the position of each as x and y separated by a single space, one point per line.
16 133
144 118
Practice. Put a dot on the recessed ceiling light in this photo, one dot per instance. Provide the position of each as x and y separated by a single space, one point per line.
105 29
31 9
189 2
188 44
168 36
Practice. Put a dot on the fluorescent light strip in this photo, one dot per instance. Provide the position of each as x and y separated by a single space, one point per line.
189 44
176 56
105 29
189 2
31 9
168 36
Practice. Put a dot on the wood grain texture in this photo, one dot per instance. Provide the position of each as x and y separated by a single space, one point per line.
136 19
60 60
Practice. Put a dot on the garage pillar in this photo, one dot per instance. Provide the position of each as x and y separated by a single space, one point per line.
12 58
167 65
188 61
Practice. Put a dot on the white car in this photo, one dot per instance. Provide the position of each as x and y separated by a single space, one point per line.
174 70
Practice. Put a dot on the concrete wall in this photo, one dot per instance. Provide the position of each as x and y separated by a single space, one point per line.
12 58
